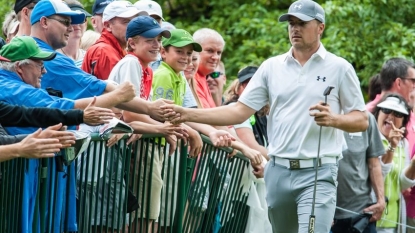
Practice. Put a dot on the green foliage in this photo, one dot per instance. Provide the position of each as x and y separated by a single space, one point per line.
364 32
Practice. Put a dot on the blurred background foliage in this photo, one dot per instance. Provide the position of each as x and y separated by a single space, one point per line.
364 32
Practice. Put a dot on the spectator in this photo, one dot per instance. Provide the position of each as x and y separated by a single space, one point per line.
212 48
10 26
255 139
143 35
190 73
293 133
392 113
97 10
20 81
88 39
152 8
62 74
72 49
375 87
170 84
398 76
360 172
110 47
23 9
216 81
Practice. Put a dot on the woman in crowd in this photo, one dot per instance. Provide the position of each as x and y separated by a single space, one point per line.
391 114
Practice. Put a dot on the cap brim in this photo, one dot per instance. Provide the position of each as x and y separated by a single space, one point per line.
155 13
155 32
303 17
196 46
79 9
45 56
4 59
76 17
392 105
245 77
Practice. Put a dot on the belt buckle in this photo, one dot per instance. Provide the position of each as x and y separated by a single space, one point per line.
294 163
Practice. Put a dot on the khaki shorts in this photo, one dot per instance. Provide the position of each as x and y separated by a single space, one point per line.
142 178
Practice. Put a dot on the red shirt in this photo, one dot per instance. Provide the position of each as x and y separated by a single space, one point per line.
101 57
203 91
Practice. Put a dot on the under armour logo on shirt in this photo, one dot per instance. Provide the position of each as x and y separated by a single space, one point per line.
318 78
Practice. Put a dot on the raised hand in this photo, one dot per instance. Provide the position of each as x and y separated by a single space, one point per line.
95 115
34 146
221 138
65 138
195 143
395 135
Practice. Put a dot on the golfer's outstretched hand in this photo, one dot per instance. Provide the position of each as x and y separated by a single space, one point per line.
322 114
173 113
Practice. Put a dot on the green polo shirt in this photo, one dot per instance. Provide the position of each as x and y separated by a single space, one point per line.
168 84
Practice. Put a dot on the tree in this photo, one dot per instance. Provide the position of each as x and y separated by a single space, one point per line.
364 32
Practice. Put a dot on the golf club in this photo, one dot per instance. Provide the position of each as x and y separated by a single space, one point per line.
312 220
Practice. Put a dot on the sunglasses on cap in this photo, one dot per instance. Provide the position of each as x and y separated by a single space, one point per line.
215 74
389 111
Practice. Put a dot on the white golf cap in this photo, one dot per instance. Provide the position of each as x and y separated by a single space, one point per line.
122 9
152 7
394 104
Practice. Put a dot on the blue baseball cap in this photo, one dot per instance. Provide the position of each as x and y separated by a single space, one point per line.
145 26
46 8
99 6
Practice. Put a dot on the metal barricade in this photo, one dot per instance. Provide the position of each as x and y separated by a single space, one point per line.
135 188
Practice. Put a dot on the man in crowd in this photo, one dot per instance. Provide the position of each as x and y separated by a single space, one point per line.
398 76
212 47
216 81
20 82
110 47
23 9
293 85
97 10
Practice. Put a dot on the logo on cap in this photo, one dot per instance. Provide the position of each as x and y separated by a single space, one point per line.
150 5
298 6
154 21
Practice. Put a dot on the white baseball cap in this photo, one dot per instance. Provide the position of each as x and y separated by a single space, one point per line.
122 9
152 7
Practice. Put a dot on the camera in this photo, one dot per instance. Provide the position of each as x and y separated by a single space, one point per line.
360 223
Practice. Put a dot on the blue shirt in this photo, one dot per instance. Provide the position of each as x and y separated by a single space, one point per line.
63 75
15 91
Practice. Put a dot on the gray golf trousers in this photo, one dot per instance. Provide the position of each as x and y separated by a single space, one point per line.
290 195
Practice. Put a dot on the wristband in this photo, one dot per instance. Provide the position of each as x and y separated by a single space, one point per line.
391 149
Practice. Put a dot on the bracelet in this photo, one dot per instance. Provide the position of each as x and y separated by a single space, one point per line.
391 149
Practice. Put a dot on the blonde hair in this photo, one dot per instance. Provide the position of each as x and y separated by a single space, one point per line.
193 88
88 39
8 23
135 39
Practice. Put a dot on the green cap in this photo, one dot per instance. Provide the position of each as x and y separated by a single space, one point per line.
180 38
25 47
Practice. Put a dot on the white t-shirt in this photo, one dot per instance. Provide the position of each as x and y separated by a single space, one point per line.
291 89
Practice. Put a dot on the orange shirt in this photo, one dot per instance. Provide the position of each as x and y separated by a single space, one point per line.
203 92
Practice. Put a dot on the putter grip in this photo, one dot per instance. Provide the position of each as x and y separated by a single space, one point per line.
311 223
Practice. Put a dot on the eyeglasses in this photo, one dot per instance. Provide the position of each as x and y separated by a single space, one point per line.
412 80
41 66
389 111
65 22
214 75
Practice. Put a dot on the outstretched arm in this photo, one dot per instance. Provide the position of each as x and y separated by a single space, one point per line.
224 115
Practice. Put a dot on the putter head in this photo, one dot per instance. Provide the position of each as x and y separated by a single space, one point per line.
328 90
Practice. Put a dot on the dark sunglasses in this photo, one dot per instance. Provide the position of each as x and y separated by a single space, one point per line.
215 74
389 111
65 22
